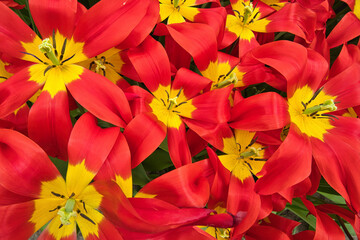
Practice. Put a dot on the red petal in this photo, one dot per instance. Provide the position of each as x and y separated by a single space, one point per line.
184 187
13 31
178 148
346 87
15 91
7 197
197 39
262 112
244 203
213 106
220 184
23 153
15 222
292 161
265 232
190 82
347 29
106 231
91 143
52 15
111 104
46 115
287 57
143 134
118 164
295 19
108 23
326 227
144 27
151 63
17 121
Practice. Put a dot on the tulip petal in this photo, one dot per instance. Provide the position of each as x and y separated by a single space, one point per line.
46 115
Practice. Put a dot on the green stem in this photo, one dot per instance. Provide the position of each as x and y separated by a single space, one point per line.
32 20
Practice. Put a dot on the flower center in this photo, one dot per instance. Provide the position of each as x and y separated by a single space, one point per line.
99 64
177 2
68 211
326 105
222 233
248 15
172 102
227 79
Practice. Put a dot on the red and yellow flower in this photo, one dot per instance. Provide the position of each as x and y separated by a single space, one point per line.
171 105
70 35
40 195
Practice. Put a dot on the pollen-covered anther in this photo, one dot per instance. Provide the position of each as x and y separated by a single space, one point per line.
47 48
230 79
327 105
67 212
223 233
248 11
99 65
252 151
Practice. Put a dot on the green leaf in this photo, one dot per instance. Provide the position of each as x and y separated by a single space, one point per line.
164 145
139 176
299 209
157 161
336 198
60 165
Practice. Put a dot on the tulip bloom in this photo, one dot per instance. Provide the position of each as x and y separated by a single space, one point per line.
41 195
309 116
170 106
250 18
70 35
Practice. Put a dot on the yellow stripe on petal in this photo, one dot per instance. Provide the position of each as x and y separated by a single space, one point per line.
352 112
43 211
90 196
189 12
36 72
166 11
230 146
357 8
125 185
241 171
3 73
243 138
48 188
211 72
32 49
77 178
175 17
64 231
186 109
162 92
87 227
259 25
234 24
57 77
145 195
73 50
246 34
229 161
174 121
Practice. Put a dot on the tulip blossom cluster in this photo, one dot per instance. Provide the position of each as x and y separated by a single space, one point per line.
180 119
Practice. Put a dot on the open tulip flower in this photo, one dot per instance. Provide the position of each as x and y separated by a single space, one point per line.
70 34
170 104
310 123
40 195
